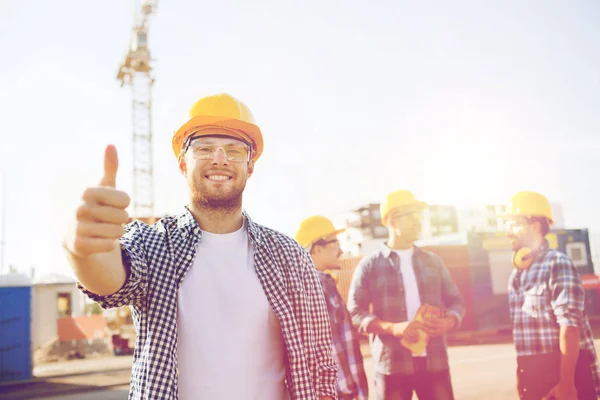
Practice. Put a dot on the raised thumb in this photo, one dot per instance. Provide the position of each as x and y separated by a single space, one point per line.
111 165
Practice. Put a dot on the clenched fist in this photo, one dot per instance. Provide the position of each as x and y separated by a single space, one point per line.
100 218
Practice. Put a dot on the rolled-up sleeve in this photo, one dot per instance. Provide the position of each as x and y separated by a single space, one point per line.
327 369
568 295
133 291
360 297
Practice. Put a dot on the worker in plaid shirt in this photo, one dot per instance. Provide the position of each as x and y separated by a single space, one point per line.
319 236
224 308
395 281
556 358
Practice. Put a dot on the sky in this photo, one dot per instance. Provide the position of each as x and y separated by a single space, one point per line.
463 102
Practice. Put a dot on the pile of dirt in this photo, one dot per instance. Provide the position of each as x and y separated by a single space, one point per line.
56 350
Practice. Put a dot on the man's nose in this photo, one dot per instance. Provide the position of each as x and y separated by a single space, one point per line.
219 157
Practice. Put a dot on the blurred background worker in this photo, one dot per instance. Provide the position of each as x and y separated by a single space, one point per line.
396 280
318 235
555 347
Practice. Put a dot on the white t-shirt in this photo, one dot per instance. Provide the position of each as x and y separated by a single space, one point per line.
409 280
230 344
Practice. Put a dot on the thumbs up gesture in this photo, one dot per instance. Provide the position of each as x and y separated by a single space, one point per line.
101 215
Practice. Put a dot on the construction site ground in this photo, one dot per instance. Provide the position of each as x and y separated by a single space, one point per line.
485 369
68 377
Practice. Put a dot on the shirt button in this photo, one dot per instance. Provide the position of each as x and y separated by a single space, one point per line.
188 257
196 231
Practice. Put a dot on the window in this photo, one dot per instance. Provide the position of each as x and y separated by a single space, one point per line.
380 232
577 253
445 214
63 303
353 221
446 229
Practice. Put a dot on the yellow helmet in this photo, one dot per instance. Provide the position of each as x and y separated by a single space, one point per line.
314 228
529 204
221 111
399 198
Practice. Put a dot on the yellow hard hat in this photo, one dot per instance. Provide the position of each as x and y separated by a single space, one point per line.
399 198
221 111
314 228
529 204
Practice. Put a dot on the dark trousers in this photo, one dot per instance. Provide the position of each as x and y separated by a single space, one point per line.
538 374
427 385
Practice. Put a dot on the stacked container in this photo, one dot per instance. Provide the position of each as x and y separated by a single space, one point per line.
15 328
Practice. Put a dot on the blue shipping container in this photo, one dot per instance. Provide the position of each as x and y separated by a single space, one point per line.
15 333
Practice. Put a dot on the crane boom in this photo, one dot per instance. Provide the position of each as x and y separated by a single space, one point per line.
136 72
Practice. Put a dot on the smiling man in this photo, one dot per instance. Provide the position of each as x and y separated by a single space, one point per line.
224 308
556 357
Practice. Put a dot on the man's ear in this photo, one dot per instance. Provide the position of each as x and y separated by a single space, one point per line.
182 165
537 227
315 250
250 168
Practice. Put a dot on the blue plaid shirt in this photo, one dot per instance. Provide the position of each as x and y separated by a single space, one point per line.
352 380
544 297
157 258
377 282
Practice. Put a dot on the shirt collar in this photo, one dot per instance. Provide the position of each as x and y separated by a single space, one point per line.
387 252
187 223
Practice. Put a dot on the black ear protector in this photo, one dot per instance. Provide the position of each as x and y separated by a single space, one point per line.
523 258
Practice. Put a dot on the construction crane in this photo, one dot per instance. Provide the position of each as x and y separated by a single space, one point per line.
136 71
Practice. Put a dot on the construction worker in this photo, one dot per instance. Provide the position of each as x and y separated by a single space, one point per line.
224 308
318 235
396 280
555 347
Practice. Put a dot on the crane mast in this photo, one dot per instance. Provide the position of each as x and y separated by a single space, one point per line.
136 71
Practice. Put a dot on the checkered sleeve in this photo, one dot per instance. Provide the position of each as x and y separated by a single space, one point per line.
359 296
327 369
133 254
451 297
568 295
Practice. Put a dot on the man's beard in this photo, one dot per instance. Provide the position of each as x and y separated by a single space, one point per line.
225 200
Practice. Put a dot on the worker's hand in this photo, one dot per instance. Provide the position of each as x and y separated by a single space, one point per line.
562 391
100 218
407 330
439 326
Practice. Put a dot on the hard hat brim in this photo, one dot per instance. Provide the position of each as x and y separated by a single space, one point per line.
508 216
419 206
335 233
338 231
252 131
